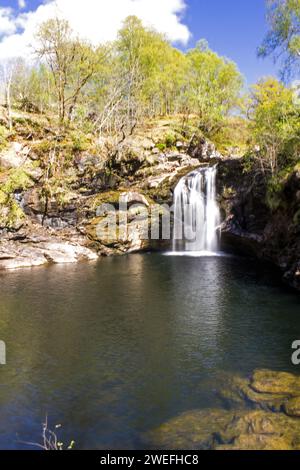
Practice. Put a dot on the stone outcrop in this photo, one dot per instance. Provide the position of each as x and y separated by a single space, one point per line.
14 156
260 414
44 247
251 225
144 169
142 174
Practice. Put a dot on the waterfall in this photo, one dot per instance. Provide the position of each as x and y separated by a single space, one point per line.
196 212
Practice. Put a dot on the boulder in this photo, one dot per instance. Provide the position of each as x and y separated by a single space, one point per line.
193 430
63 253
33 259
266 381
37 253
214 429
257 442
292 407
130 198
237 390
273 424
14 156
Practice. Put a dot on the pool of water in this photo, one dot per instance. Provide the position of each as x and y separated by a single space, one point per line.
113 349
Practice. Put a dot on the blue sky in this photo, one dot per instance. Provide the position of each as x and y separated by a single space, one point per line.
233 28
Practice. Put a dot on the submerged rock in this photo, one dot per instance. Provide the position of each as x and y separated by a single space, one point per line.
292 407
273 424
192 430
257 442
213 429
266 381
238 390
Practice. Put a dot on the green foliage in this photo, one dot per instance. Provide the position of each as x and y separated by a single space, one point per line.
80 141
276 185
170 140
283 39
275 124
3 137
42 149
214 86
274 190
113 88
233 137
249 162
17 180
161 146
11 213
72 63
32 89
145 77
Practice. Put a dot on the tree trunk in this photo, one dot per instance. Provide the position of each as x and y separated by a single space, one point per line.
8 105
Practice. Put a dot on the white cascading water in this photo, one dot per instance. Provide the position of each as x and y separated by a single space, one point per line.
196 213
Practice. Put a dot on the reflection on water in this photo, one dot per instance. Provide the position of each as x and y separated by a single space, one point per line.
113 349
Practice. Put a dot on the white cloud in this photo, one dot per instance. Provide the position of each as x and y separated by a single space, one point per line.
95 20
22 4
7 22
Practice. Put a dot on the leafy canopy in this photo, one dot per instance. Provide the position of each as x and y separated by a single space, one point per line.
283 39
275 124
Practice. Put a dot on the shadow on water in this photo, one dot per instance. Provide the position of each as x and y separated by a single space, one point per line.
112 349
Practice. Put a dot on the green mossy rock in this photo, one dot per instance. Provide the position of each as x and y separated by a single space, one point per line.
231 430
192 430
238 390
273 424
266 381
292 407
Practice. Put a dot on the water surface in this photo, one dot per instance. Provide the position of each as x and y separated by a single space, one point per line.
112 349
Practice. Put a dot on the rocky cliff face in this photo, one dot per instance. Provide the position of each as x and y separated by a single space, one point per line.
74 224
250 225
96 187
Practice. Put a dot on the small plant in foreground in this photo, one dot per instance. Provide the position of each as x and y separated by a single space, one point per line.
50 439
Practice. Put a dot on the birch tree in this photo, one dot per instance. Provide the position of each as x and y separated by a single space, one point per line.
283 39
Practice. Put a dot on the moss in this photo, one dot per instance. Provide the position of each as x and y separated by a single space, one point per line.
3 137
11 213
249 162
107 197
16 180
80 142
42 148
239 426
162 147
170 140
228 192
15 215
276 186
233 136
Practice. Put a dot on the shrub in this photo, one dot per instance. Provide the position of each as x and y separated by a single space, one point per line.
3 137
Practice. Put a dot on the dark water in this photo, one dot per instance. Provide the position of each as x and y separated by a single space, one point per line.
113 349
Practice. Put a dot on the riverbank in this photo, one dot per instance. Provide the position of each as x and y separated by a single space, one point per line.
49 213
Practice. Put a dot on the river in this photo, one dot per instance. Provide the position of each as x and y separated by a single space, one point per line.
113 349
